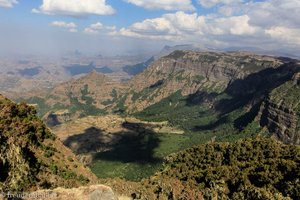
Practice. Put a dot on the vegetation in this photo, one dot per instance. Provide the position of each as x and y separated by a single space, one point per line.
87 108
200 123
120 107
41 105
259 168
287 94
27 148
193 114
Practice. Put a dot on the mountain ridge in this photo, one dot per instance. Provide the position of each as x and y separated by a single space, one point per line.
222 81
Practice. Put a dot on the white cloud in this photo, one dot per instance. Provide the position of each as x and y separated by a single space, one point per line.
274 13
111 28
75 7
237 25
8 3
164 4
182 26
97 27
64 24
70 26
287 35
73 30
266 24
90 31
212 3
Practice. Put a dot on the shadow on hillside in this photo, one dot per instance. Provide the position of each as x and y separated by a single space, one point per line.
137 144
250 91
200 97
222 120
91 140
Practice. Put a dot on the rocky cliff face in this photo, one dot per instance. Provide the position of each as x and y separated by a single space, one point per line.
245 77
280 113
190 72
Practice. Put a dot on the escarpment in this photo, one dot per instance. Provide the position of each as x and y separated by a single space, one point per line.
280 113
190 72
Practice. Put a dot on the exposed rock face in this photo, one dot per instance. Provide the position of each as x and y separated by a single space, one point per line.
280 113
93 192
297 78
186 71
281 121
190 72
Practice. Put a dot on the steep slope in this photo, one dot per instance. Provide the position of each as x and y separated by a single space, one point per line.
280 113
31 157
138 68
187 71
211 96
184 47
92 94
258 169
190 72
197 91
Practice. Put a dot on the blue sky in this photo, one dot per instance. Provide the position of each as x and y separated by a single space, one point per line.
122 26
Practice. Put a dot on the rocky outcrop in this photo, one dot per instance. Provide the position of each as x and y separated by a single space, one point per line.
280 113
93 192
296 79
191 72
281 121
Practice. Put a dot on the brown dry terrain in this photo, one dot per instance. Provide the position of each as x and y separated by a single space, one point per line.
94 134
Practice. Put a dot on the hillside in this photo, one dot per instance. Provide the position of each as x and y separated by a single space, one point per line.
191 72
280 112
31 157
207 96
138 68
209 93
88 95
188 71
258 169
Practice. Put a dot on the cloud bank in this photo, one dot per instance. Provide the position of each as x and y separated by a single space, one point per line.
75 8
163 4
8 3
72 27
269 24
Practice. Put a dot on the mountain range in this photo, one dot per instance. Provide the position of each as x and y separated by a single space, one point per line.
187 125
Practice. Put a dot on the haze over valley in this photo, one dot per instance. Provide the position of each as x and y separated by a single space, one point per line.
175 99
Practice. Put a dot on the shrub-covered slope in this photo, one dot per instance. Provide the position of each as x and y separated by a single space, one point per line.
258 169
31 157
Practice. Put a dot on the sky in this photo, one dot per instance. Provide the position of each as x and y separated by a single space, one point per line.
113 27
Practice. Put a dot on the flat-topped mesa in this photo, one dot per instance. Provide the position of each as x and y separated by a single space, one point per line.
212 66
191 71
222 65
